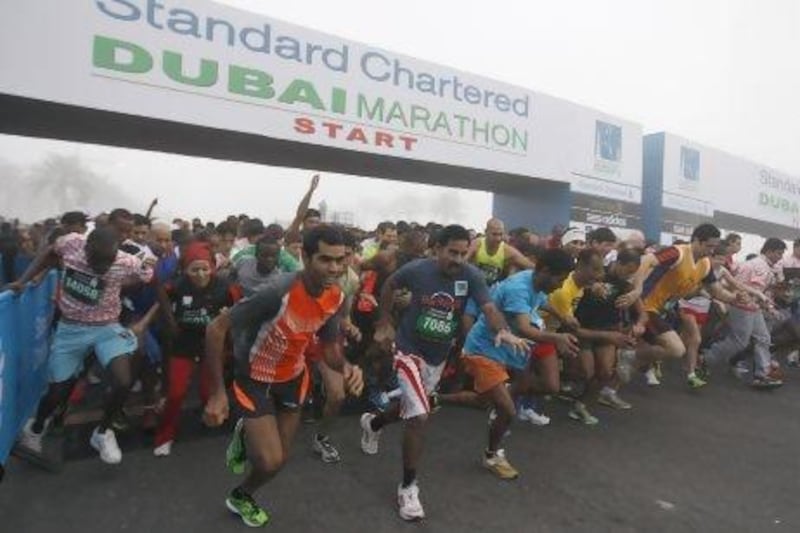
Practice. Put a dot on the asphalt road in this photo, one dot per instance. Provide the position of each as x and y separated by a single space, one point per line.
720 459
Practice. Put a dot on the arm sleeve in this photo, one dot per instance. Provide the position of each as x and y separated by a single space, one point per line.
403 276
260 307
559 301
514 301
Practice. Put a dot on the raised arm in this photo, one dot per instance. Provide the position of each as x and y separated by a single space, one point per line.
302 207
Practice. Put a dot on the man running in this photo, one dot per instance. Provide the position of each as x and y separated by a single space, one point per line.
519 297
663 278
426 331
493 255
271 332
746 318
252 272
385 236
89 301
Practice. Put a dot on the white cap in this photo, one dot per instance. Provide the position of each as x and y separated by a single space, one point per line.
573 234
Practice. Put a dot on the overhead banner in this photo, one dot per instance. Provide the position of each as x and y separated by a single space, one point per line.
211 65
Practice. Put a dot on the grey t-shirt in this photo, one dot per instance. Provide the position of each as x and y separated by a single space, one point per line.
430 324
248 277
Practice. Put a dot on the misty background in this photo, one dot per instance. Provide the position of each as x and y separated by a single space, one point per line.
718 72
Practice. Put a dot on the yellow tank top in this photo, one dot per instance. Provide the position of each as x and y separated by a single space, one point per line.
491 265
668 282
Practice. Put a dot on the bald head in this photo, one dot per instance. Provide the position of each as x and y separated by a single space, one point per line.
635 239
495 231
161 238
495 224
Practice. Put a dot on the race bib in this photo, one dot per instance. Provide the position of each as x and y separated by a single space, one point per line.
435 326
83 287
194 317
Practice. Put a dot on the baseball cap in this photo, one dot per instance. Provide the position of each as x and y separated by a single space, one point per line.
573 234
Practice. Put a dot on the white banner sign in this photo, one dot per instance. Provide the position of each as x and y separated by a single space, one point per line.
203 63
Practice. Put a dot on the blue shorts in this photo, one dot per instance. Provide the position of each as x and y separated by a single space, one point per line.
73 342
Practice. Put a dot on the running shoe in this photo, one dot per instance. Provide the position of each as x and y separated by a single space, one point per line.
408 504
740 370
106 444
651 377
435 402
694 381
793 359
658 370
497 464
163 450
766 382
248 510
612 399
322 446
527 414
236 454
580 413
369 438
29 439
703 371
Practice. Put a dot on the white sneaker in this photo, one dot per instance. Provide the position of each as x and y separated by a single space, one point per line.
369 438
651 378
30 439
164 450
408 504
106 444
529 415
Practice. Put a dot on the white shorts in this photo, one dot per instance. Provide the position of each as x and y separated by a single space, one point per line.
417 381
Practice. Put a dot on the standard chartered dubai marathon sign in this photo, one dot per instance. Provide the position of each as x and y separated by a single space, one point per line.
204 63
303 94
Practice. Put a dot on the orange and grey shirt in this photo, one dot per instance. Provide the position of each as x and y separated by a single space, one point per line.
676 276
272 329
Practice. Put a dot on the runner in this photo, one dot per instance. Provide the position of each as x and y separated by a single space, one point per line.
89 301
573 241
271 331
560 316
663 278
252 272
385 235
519 297
189 304
333 381
439 287
494 256
746 318
612 329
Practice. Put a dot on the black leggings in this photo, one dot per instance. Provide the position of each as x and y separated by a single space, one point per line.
58 394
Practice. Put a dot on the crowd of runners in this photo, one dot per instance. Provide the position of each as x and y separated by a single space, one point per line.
403 321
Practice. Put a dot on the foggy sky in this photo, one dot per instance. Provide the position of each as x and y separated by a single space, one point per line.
719 72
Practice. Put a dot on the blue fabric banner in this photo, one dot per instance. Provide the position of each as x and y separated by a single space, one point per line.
25 329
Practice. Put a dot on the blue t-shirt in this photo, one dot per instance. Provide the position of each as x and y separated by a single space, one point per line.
430 324
514 296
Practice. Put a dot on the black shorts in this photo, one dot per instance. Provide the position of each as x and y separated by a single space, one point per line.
657 325
257 398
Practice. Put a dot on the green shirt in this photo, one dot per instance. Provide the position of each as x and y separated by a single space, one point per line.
286 261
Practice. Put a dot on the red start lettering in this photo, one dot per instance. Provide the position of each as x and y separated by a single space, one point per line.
356 134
